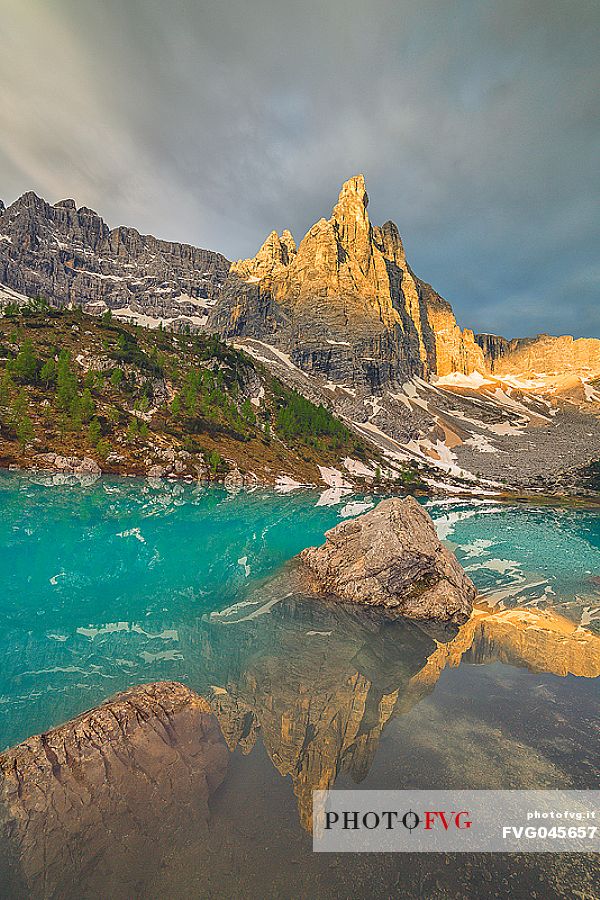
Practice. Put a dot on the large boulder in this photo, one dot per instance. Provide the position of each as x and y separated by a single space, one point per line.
94 807
391 557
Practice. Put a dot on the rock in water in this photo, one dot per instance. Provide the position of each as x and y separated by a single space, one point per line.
392 557
94 807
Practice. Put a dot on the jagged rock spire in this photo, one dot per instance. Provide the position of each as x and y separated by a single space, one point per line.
351 277
288 242
275 254
352 220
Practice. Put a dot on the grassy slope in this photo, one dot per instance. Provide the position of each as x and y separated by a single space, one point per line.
77 385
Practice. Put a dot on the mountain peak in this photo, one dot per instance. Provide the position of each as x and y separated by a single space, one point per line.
352 202
350 282
354 186
354 230
287 239
29 198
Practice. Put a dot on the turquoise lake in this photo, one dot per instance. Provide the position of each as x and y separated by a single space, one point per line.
124 582
99 581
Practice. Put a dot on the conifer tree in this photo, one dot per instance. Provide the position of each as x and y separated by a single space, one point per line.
24 366
87 406
22 423
66 382
94 432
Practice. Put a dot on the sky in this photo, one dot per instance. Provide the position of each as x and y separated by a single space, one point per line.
475 123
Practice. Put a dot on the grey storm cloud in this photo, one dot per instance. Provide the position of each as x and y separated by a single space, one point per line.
475 124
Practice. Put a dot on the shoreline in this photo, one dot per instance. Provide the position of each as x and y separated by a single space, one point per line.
249 482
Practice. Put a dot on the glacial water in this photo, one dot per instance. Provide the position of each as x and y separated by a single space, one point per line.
124 582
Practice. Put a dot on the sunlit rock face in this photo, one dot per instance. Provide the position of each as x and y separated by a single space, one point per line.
346 304
81 804
543 354
275 255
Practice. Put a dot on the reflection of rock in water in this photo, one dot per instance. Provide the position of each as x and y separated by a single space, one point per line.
320 681
95 807
540 641
82 803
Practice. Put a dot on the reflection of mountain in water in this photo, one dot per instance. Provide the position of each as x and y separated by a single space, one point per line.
99 804
320 681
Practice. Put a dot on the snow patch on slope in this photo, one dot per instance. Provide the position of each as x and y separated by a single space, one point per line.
459 379
333 478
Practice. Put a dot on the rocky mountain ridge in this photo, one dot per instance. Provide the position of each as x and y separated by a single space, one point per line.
343 320
71 257
545 353
344 304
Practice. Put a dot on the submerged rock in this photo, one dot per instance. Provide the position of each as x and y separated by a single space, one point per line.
391 557
80 805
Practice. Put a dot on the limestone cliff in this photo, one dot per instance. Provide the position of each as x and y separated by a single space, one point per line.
70 256
345 304
543 354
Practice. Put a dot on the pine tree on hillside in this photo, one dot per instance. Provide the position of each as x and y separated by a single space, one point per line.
66 382
20 418
24 367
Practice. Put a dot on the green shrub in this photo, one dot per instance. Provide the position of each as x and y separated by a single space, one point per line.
214 461
103 448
